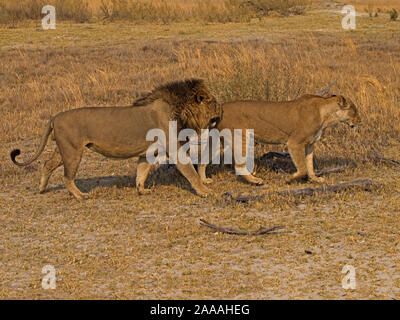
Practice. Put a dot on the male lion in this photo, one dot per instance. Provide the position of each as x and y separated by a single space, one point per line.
298 124
120 132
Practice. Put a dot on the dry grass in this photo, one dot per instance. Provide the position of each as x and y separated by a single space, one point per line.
120 245
14 13
140 11
375 5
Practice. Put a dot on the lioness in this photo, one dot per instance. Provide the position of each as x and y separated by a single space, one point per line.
120 132
298 124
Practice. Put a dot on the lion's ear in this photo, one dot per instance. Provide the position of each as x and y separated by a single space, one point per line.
200 97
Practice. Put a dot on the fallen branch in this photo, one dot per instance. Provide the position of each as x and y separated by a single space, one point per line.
327 171
261 230
375 156
365 184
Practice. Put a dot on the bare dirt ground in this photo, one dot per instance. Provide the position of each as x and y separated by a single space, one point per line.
120 245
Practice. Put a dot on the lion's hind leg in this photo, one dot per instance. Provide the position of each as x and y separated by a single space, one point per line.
142 172
48 168
71 186
71 157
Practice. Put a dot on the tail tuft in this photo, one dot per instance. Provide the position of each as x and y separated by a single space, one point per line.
43 142
15 153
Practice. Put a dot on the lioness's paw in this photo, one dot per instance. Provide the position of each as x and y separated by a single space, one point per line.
296 177
318 179
291 180
42 189
144 191
254 180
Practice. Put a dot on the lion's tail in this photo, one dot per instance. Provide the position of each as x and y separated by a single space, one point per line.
17 152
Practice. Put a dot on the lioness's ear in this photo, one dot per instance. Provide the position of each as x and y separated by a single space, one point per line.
343 102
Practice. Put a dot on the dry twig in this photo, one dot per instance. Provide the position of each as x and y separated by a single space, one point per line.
325 92
261 230
376 156
327 171
286 156
365 184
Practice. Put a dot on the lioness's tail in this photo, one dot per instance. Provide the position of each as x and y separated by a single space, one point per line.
17 152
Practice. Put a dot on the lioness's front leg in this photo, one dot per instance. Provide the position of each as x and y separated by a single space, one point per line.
201 170
190 173
241 169
142 171
310 165
297 153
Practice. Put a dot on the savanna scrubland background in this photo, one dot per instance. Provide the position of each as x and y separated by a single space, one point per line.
120 245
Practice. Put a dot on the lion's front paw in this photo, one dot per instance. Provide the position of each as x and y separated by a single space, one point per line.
203 191
81 196
207 181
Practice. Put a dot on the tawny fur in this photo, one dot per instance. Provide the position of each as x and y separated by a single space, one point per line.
299 124
120 132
